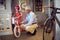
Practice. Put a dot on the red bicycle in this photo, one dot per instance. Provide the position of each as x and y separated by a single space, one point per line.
17 29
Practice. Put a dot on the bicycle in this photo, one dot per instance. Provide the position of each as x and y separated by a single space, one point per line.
17 30
49 23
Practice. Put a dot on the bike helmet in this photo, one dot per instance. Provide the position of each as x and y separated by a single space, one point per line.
17 7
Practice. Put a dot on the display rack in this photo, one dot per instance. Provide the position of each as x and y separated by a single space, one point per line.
5 22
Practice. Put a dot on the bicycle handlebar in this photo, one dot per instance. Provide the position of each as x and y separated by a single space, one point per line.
54 12
56 9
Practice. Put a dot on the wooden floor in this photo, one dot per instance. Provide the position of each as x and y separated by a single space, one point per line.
25 36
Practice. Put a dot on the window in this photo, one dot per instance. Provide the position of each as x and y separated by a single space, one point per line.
2 4
38 5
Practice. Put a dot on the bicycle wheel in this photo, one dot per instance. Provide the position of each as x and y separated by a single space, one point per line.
17 32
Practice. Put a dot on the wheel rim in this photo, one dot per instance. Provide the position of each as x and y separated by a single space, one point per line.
17 32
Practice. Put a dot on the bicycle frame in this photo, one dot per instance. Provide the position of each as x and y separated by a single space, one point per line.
55 11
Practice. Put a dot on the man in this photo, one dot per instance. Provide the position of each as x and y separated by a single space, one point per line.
30 23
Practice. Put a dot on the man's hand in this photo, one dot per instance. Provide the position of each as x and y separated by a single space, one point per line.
22 26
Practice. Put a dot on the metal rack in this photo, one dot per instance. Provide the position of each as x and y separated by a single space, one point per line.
5 23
